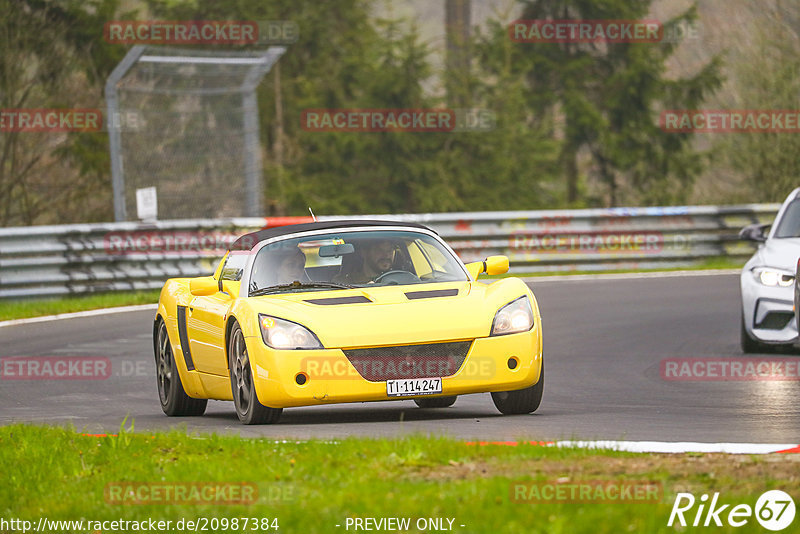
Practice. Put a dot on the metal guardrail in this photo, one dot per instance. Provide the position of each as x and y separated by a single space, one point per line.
86 258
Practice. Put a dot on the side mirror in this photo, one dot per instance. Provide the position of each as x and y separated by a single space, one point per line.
755 232
491 265
496 265
203 287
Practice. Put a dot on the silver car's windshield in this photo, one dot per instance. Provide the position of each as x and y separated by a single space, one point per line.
789 225
353 259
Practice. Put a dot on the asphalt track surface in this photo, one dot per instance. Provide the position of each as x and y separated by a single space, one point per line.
604 341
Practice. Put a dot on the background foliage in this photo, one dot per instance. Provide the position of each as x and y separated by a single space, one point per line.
576 124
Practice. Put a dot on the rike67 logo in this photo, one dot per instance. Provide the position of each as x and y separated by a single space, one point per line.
774 511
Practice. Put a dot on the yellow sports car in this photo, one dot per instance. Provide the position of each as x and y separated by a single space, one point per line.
346 311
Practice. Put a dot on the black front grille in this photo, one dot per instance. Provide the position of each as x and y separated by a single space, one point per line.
430 360
775 320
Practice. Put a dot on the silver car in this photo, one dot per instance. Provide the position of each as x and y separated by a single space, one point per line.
768 279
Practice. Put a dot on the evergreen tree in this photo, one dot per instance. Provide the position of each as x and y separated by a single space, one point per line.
609 96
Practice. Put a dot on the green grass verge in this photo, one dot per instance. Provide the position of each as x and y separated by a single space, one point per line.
20 309
315 485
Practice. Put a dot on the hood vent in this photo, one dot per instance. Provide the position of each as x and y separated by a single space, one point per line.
359 299
413 295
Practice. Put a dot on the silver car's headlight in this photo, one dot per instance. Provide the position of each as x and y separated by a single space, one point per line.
773 277
514 317
286 335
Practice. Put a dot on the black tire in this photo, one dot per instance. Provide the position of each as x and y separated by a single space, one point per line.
748 344
436 402
173 398
245 400
521 401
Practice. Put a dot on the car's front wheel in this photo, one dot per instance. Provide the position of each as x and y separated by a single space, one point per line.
436 402
521 401
173 398
248 408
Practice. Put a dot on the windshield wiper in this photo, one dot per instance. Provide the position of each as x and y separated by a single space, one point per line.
298 285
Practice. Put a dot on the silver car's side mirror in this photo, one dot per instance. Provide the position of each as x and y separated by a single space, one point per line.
755 232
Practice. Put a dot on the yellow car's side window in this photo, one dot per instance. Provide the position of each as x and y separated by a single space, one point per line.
426 258
434 256
234 267
421 265
220 265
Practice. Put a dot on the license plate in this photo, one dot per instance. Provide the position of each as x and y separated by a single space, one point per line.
411 387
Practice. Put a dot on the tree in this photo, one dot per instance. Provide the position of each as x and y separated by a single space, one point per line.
769 79
52 55
457 20
609 95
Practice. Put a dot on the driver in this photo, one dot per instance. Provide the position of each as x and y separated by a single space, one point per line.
378 258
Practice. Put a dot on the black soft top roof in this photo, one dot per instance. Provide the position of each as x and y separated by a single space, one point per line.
248 241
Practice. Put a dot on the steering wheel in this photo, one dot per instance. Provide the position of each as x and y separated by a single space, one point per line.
401 277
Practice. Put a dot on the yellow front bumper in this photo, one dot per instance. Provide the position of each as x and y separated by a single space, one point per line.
331 378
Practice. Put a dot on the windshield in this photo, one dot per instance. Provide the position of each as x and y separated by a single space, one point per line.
354 259
789 225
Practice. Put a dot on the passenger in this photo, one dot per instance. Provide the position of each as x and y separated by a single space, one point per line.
290 267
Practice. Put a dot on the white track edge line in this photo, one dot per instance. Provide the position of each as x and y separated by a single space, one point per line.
79 315
681 446
658 447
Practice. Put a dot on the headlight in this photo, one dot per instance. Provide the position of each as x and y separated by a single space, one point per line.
771 277
514 317
286 335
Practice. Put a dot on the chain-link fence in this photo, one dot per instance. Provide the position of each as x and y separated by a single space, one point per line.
185 121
